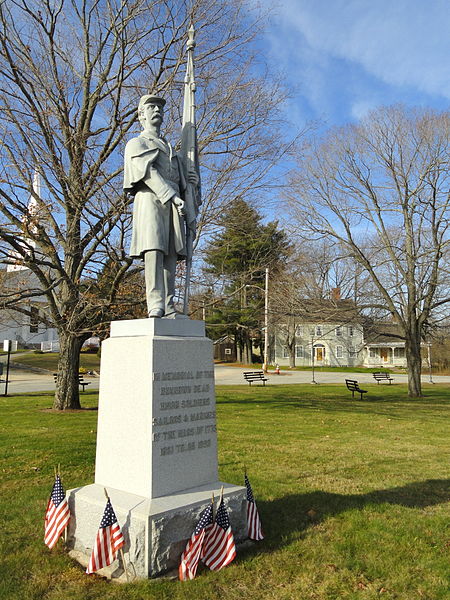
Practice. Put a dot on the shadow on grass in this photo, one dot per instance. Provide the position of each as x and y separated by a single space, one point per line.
434 402
287 517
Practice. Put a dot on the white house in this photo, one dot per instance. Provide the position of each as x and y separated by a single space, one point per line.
329 332
27 330
383 346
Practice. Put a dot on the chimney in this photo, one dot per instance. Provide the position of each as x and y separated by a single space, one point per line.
336 294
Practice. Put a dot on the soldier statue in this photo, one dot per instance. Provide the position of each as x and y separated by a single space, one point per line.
166 192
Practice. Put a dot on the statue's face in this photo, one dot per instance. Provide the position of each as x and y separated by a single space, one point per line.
152 114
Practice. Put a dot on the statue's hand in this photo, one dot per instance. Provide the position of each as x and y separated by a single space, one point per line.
192 177
179 204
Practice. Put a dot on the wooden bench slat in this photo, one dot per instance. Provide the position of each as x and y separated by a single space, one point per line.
252 376
382 376
352 386
81 381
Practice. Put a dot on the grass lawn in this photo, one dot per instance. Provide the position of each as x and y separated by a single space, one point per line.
354 496
49 360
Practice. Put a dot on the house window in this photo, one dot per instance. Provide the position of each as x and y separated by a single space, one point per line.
34 320
284 352
299 351
352 351
319 330
311 331
339 351
299 330
350 330
373 353
338 331
399 352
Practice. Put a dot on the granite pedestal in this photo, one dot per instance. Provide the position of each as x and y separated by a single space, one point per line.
156 445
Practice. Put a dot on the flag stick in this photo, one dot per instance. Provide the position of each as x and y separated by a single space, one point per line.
221 495
106 493
56 473
212 502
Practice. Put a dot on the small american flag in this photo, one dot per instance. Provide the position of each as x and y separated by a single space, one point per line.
219 549
109 540
253 521
57 514
190 557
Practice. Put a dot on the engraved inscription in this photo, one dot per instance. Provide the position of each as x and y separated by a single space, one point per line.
183 421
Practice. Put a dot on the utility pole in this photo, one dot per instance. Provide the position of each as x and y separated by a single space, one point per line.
266 322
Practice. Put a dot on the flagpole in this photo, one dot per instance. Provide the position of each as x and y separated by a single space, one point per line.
190 160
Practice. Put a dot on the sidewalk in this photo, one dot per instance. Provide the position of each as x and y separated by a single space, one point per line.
234 375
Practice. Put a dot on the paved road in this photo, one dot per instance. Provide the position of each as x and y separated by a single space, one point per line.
27 381
234 375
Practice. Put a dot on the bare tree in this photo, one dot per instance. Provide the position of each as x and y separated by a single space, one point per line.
380 189
71 75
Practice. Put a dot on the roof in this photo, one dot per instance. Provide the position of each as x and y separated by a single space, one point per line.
387 333
327 311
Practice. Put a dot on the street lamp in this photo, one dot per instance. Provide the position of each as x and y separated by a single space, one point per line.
312 359
429 361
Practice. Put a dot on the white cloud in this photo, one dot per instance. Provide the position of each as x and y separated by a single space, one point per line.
402 42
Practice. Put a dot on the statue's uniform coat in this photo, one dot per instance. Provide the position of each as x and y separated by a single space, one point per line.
153 175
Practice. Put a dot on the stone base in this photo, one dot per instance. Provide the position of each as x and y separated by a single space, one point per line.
155 530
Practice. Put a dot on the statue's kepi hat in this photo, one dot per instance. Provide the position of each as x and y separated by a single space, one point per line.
150 98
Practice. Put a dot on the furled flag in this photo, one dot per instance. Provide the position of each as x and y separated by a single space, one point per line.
109 540
57 514
219 549
253 521
190 557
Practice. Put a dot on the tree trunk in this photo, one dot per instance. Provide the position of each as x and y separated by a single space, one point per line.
247 349
238 338
67 395
414 362
291 348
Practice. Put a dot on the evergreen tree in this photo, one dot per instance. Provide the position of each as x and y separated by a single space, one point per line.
239 255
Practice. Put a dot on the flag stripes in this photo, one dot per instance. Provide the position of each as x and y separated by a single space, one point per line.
254 529
192 553
219 549
57 514
108 541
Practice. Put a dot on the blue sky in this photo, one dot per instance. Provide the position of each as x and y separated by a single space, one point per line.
344 57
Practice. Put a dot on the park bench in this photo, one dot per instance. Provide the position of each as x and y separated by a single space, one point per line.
382 376
81 381
353 386
252 376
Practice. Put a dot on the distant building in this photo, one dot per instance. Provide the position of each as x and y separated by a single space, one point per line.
332 333
225 349
28 330
328 331
25 325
